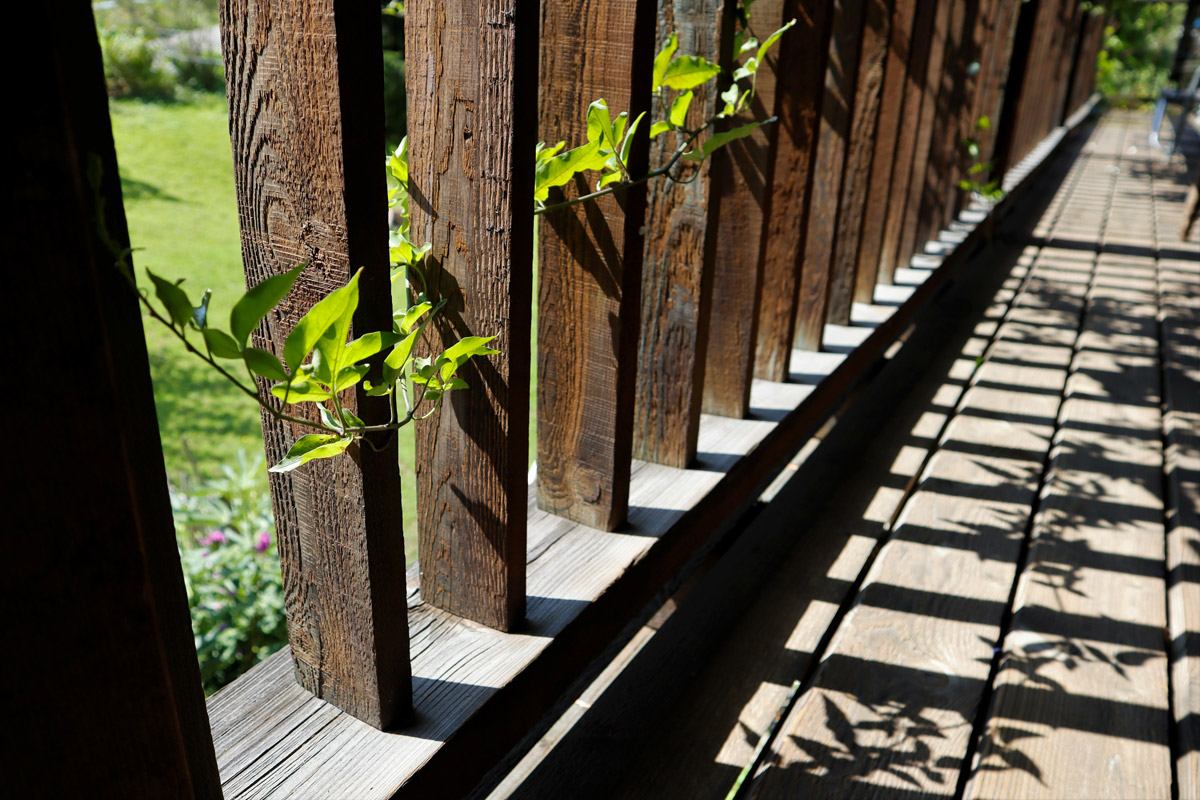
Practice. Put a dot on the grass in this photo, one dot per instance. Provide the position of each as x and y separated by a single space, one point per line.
177 178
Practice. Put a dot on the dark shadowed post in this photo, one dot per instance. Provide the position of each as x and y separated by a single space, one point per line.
106 696
800 87
837 111
891 103
868 99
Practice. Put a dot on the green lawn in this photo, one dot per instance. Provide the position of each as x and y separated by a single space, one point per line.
177 177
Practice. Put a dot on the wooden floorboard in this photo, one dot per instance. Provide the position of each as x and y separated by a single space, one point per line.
1179 313
1090 604
891 709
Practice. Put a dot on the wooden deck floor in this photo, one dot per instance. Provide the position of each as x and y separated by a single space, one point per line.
995 591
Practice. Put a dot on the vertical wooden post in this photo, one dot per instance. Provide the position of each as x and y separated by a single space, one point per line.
929 118
106 693
903 173
472 89
742 171
837 111
962 123
1005 141
679 253
800 87
306 121
1009 55
590 261
859 157
883 156
944 141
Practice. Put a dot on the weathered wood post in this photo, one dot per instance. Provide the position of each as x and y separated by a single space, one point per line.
306 120
590 262
472 92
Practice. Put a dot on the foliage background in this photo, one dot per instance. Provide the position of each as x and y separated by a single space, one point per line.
1139 44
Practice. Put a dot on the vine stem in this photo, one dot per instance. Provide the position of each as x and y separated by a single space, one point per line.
664 170
355 432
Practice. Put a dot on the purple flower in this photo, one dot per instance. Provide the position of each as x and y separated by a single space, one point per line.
263 542
216 537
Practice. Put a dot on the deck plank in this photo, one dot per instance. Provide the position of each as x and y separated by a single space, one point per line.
1179 310
891 708
1090 605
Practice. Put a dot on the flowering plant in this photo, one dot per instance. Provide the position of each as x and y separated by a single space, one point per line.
231 569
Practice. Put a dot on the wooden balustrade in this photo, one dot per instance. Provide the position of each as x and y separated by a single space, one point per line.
652 302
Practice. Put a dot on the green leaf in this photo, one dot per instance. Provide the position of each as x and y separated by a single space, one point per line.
336 308
628 142
265 364
679 108
746 46
395 361
561 168
730 98
607 179
983 123
456 383
368 345
618 127
663 60
313 445
770 41
407 319
965 185
599 125
349 376
352 419
659 128
174 299
746 70
402 250
719 140
328 419
255 304
301 391
543 152
200 312
221 344
687 72
462 351
397 162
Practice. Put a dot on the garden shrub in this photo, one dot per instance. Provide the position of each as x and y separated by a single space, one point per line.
226 536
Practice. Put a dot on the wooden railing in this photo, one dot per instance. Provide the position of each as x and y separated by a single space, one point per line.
678 325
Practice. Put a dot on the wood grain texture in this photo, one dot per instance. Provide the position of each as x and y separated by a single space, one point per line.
677 268
890 709
931 118
94 588
997 65
958 160
742 174
1179 308
590 262
479 691
306 119
887 136
1090 605
860 155
471 88
800 90
906 142
752 624
833 131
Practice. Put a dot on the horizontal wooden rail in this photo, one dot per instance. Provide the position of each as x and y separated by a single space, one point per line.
478 691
